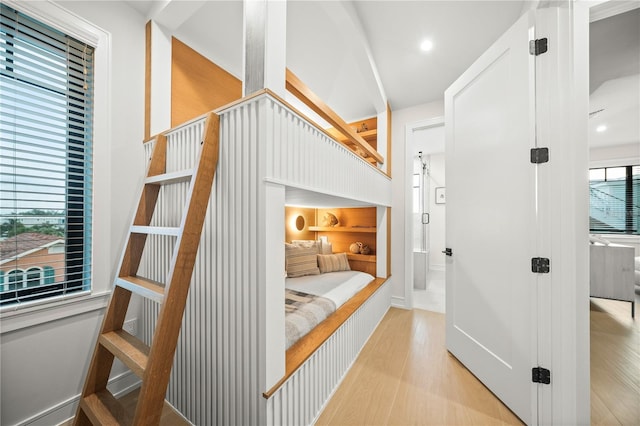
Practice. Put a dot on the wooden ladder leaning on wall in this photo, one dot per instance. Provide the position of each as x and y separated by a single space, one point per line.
151 363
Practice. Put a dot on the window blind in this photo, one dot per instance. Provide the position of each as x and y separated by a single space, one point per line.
614 200
46 114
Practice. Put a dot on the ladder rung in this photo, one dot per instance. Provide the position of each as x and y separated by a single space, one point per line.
150 289
155 230
169 178
128 349
102 408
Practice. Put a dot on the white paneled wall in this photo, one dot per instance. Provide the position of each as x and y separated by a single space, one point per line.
301 398
303 156
231 348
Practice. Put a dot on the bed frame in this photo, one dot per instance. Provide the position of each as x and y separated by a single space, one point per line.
231 365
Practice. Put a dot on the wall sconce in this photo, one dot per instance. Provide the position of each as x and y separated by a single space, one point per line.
296 223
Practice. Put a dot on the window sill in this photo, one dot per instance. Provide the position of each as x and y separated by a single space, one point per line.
17 317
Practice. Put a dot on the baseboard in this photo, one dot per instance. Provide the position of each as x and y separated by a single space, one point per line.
399 302
66 410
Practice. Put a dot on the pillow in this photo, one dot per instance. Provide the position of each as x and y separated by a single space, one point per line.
300 261
333 262
323 247
308 244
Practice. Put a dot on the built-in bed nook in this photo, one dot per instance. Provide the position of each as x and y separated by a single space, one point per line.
289 205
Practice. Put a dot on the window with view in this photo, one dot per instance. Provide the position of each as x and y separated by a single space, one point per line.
46 105
614 200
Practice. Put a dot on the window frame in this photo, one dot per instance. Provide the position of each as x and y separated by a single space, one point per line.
628 180
18 316
73 145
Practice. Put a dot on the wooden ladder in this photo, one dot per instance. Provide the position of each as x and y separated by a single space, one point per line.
151 363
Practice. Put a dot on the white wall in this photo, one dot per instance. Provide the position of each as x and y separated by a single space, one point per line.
400 173
43 365
620 155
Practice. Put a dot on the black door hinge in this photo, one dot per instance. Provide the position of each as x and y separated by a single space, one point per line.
540 265
540 375
539 155
538 47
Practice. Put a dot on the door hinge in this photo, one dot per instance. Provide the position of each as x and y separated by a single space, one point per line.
538 47
539 155
540 265
540 375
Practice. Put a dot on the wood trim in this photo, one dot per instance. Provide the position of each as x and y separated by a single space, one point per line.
362 229
371 258
147 82
389 117
302 92
388 241
305 347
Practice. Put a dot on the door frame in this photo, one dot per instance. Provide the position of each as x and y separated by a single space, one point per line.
410 129
571 402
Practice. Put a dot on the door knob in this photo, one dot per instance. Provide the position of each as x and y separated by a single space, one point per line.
448 252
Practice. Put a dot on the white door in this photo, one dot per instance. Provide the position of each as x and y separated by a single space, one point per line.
490 219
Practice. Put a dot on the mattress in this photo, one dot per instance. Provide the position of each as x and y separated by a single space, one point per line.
335 286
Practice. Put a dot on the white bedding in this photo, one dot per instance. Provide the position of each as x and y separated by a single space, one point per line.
336 286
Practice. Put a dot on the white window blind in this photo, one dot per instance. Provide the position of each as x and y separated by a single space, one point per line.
614 200
46 114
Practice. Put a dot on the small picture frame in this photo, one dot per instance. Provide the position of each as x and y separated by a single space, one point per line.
441 195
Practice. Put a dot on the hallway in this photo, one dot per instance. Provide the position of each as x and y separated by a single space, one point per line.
405 375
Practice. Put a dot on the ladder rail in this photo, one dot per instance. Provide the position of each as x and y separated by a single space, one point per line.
154 363
165 338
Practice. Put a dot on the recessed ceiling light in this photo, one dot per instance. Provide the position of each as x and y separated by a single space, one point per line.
601 128
426 45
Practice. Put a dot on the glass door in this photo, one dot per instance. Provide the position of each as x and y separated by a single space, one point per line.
421 220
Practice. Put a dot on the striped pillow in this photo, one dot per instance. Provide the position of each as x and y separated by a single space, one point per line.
300 261
333 262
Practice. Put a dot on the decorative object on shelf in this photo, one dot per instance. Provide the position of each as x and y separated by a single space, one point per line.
359 248
356 247
329 219
441 195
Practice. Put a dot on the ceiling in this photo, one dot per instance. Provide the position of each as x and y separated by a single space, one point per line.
358 55
332 45
614 74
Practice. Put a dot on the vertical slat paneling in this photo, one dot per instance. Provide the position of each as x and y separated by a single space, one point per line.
300 400
216 373
306 158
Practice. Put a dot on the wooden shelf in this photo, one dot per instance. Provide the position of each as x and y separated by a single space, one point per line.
366 229
362 257
367 135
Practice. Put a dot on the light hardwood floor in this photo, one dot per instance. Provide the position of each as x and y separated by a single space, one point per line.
169 416
615 363
405 376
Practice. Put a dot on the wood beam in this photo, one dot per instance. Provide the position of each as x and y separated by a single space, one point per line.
310 99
